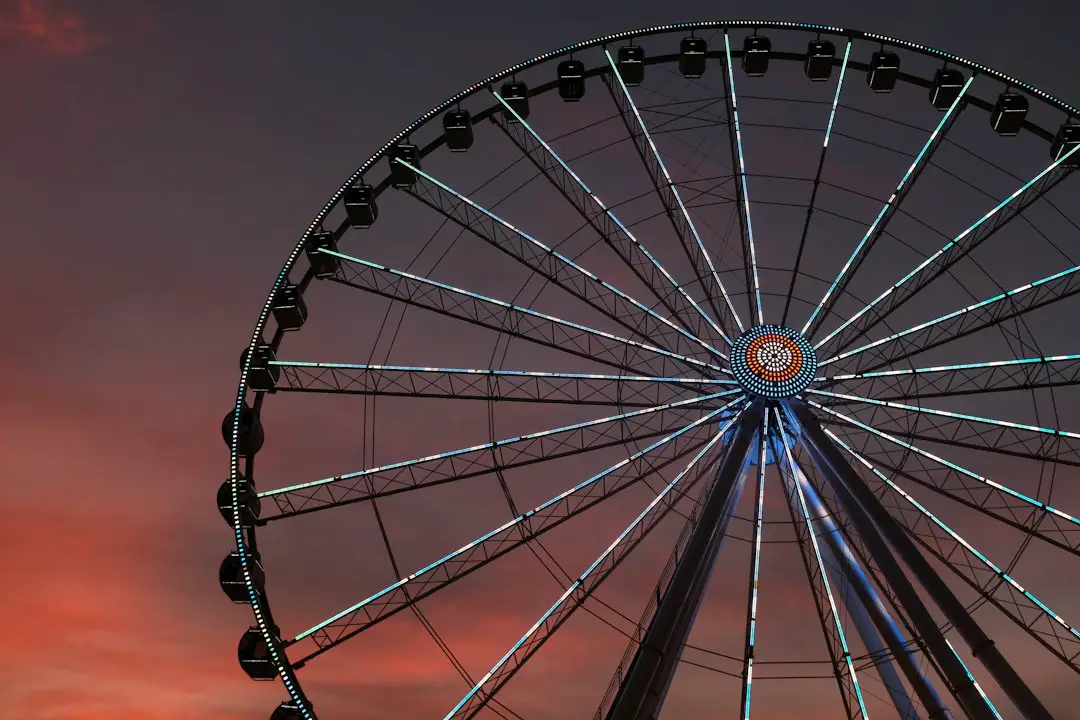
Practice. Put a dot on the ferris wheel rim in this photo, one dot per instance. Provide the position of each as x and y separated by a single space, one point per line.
260 607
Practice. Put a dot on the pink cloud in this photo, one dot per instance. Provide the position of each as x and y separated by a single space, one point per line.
50 29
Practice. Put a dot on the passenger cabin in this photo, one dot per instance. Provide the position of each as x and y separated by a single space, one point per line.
324 264
254 655
262 376
820 55
288 710
631 64
1007 117
246 499
947 86
755 59
571 74
692 57
458 130
402 176
249 434
516 95
360 207
1066 140
883 71
231 577
289 308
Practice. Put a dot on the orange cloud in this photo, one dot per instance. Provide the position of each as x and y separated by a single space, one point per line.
51 29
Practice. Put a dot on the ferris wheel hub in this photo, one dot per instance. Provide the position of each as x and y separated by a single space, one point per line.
773 362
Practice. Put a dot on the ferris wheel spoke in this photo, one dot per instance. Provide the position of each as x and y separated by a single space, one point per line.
962 379
818 577
964 321
673 204
738 163
755 572
498 455
986 578
814 190
853 561
671 295
586 583
975 682
649 663
881 222
487 384
496 543
971 431
890 543
559 269
969 488
504 317
952 252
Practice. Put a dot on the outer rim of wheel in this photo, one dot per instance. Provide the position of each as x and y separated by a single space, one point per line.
259 602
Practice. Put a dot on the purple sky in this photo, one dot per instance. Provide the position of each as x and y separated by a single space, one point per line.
158 161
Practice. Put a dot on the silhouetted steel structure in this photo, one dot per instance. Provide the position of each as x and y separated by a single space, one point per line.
709 382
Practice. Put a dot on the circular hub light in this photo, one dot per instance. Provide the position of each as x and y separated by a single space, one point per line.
773 361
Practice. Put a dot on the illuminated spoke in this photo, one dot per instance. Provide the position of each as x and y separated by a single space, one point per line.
483 384
877 228
837 626
549 263
972 431
669 195
489 457
988 579
975 682
857 557
604 222
964 321
499 315
938 263
963 378
579 590
968 487
496 543
753 284
755 571
817 182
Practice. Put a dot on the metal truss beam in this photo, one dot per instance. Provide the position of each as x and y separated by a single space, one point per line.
968 431
583 587
961 379
489 547
603 221
967 487
481 384
494 456
859 324
984 314
522 322
738 164
881 222
602 296
992 583
814 189
676 211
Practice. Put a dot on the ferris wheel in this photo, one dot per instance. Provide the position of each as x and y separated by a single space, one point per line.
824 316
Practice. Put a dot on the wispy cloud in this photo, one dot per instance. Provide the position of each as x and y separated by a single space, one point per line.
48 27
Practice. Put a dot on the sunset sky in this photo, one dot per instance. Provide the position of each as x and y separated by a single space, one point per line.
158 161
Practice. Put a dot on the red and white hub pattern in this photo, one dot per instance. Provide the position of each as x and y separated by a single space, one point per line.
773 361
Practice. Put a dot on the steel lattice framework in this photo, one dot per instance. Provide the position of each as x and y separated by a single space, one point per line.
705 367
